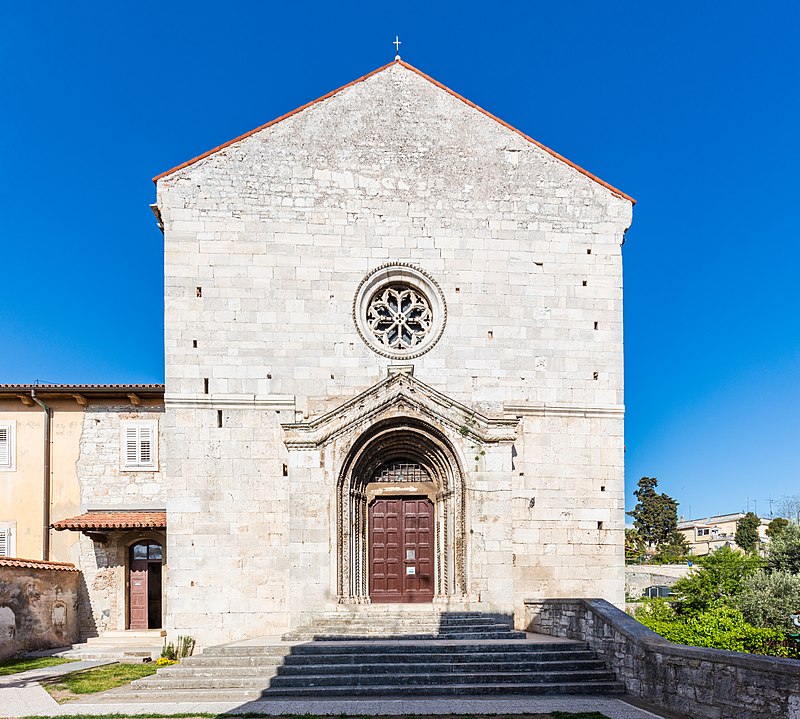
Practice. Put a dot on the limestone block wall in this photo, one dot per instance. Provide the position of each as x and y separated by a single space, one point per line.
104 481
266 243
38 606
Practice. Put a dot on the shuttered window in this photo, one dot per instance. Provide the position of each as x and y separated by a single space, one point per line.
7 548
139 450
7 442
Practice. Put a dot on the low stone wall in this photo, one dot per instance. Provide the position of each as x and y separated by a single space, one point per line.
693 681
38 605
640 576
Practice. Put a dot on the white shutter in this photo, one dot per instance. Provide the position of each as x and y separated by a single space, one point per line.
145 445
5 446
4 542
131 445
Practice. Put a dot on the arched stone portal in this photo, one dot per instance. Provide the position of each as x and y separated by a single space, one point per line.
401 449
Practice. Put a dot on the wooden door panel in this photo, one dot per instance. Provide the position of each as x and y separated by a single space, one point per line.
401 550
138 602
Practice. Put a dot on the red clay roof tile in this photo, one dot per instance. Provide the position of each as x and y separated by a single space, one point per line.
37 564
114 519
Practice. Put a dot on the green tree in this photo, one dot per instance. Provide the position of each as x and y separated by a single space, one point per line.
634 546
655 515
673 550
747 532
767 600
784 551
776 526
716 581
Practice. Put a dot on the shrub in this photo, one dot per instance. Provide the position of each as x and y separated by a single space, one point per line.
719 628
767 600
784 551
717 581
183 647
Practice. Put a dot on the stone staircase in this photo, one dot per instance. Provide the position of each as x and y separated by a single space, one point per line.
123 646
461 626
425 655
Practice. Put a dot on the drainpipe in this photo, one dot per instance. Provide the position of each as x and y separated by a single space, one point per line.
48 418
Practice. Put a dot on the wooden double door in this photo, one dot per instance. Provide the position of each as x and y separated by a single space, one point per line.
401 545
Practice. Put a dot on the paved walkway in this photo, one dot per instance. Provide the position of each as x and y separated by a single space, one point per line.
22 695
32 700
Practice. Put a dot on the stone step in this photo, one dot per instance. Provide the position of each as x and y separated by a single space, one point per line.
461 636
403 646
350 670
348 660
167 683
451 689
155 635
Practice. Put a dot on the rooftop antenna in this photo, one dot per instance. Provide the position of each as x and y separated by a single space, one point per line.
397 45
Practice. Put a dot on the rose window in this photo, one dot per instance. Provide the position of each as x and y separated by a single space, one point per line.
399 311
399 317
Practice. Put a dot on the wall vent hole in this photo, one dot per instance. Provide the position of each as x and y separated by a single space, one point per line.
285 470
205 385
588 250
596 375
198 291
194 344
584 283
219 418
599 525
597 325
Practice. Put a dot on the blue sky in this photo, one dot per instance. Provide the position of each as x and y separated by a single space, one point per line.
690 107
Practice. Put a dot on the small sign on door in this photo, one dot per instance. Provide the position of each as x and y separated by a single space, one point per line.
411 553
411 570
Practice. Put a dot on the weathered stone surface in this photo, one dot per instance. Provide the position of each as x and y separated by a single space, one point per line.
38 609
266 244
694 681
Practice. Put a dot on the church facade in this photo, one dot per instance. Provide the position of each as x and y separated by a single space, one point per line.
394 367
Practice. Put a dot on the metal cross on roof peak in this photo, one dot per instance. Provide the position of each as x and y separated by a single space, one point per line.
396 44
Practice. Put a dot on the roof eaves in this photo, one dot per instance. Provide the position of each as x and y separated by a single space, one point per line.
438 84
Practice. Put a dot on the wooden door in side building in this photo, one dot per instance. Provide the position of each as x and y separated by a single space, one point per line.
144 585
401 550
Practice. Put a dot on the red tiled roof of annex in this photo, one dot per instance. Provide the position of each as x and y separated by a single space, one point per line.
114 520
37 564
438 84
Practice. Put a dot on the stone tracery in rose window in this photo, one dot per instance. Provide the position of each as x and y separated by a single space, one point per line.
399 317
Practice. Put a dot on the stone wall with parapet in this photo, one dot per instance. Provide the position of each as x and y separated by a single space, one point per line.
639 577
696 682
38 605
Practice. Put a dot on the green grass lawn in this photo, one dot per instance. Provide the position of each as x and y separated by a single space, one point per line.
13 666
99 679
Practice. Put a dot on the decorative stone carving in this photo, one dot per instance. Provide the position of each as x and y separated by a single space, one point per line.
399 311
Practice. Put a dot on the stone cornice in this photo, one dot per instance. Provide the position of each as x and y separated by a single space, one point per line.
276 402
524 409
400 395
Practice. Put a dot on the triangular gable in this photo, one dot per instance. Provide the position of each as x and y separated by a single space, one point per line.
400 393
488 114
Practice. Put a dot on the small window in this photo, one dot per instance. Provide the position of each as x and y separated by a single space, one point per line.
140 445
7 540
8 445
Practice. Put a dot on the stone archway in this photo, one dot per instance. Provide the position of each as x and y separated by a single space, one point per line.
423 449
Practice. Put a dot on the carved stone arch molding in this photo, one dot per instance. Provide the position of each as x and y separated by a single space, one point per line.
400 418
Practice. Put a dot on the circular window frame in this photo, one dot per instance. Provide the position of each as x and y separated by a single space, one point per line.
398 273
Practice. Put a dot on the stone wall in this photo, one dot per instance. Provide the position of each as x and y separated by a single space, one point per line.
267 243
38 606
104 482
640 576
696 682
